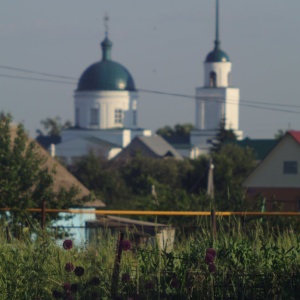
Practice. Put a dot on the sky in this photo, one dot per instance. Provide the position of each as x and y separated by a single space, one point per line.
163 43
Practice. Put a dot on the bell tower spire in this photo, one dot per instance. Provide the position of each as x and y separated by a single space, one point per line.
106 43
217 41
217 100
106 19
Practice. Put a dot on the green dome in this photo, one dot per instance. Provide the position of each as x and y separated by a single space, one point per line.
106 75
217 55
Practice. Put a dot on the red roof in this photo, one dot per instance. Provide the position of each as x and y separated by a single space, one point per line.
295 134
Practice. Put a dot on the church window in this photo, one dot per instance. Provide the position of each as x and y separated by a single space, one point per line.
212 79
229 79
118 116
94 116
290 167
134 117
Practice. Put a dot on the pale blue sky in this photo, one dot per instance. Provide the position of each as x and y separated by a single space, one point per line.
163 43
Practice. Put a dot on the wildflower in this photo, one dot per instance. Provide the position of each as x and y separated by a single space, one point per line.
209 258
149 285
67 244
79 271
69 267
74 287
67 286
95 281
212 268
57 294
125 277
125 245
212 252
174 283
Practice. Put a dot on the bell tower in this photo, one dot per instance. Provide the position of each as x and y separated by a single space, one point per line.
217 100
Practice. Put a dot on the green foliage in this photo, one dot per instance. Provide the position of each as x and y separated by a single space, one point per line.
251 263
168 184
25 180
224 135
231 166
54 126
179 130
279 134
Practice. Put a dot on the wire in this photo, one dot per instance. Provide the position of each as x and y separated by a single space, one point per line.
246 103
36 72
36 79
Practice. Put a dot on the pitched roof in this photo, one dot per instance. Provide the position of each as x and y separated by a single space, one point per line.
159 146
295 134
260 147
152 146
100 142
62 177
46 141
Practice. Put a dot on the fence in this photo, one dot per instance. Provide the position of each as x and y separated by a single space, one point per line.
243 286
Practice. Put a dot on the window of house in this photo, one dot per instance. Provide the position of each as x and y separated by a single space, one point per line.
290 167
118 116
212 79
94 116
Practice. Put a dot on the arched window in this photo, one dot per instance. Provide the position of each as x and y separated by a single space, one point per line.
229 79
212 79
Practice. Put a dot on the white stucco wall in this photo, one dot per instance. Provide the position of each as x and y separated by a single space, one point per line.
222 69
213 104
269 173
106 102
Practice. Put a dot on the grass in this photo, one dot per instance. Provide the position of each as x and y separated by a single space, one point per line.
257 262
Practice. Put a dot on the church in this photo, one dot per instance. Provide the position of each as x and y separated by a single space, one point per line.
105 111
106 107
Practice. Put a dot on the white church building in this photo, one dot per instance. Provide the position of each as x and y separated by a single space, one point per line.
106 107
105 111
217 100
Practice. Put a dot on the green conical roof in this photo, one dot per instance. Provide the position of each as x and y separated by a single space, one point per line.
106 75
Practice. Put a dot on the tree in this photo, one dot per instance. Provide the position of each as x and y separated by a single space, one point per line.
101 176
179 130
224 135
279 134
25 180
54 126
231 166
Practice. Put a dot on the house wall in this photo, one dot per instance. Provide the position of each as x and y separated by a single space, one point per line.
269 173
287 198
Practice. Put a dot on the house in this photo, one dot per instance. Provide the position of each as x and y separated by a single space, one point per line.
277 176
152 146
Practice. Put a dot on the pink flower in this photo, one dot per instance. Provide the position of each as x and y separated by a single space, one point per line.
69 267
125 245
67 244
